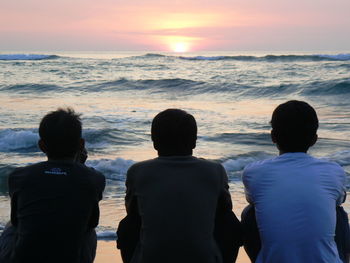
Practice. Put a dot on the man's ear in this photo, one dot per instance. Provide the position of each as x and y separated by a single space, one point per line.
155 146
314 140
81 144
273 136
42 146
194 144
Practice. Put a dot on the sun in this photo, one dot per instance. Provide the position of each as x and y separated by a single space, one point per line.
180 47
178 44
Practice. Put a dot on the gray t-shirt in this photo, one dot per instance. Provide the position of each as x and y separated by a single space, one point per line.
295 198
177 199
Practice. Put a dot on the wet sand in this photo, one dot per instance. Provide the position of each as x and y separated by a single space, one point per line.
107 252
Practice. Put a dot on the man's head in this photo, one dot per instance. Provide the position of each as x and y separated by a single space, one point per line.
294 126
60 134
174 132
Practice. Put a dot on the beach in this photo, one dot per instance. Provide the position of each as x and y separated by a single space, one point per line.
106 252
231 95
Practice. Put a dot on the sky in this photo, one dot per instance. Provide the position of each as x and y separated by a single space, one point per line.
176 25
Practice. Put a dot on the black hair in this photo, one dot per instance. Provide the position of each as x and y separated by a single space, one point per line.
294 126
174 132
60 131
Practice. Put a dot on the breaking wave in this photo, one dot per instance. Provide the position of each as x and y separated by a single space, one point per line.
26 57
273 58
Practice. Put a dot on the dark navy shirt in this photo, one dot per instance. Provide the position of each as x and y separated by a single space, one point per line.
53 205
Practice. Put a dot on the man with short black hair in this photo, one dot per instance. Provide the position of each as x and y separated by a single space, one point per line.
181 204
295 195
54 204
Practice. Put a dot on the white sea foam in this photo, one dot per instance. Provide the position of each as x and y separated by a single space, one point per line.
112 169
116 169
11 140
106 235
238 164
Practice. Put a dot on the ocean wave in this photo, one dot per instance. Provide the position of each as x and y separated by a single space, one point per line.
106 235
101 138
343 57
237 163
32 88
213 57
187 87
167 85
191 87
331 87
25 140
113 169
27 57
18 140
273 58
342 157
154 55
241 138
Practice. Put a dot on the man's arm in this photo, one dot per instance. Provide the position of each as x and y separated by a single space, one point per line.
342 231
130 197
224 202
228 231
13 186
246 179
95 215
14 210
130 226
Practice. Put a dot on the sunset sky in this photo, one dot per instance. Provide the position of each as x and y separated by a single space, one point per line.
178 25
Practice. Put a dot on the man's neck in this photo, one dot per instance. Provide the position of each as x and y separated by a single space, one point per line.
283 152
67 159
174 153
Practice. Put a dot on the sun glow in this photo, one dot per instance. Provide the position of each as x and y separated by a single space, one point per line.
178 43
180 47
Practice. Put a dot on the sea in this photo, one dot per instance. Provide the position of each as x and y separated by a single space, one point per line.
231 95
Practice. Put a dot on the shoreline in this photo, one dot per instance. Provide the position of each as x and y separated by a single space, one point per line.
107 252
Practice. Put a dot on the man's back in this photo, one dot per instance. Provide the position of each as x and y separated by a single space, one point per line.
54 204
177 199
295 197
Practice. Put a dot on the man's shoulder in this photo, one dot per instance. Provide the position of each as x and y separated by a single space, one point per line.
328 166
160 161
55 168
88 170
326 162
26 170
260 164
210 165
143 164
97 178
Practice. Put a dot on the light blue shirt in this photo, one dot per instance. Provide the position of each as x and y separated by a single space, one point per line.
295 198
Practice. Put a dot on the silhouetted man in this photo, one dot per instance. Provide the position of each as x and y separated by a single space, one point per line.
295 195
180 203
54 204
